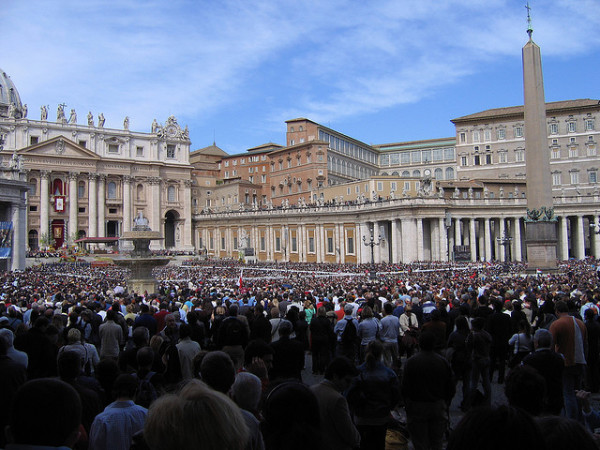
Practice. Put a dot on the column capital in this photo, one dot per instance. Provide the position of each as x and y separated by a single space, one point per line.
44 174
101 177
128 179
73 176
154 180
92 176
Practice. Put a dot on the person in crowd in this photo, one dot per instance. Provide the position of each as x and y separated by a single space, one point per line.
521 343
115 426
459 357
368 330
111 336
409 331
12 353
338 430
479 343
427 390
187 350
288 355
322 341
390 329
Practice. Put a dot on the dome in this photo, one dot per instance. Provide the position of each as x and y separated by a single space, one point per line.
9 96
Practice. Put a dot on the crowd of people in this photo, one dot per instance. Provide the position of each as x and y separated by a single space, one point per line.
219 355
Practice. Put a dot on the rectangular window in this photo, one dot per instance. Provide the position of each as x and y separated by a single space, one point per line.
294 244
395 159
476 160
405 158
277 244
329 244
553 128
555 153
227 174
591 151
311 244
572 127
519 132
488 159
263 178
463 138
223 243
589 124
520 155
34 140
475 136
487 135
251 178
350 245
438 154
139 151
81 210
426 156
83 144
112 210
573 152
33 208
170 151
501 134
574 177
407 185
463 160
262 244
226 163
503 157
235 242
113 148
379 186
593 176
393 186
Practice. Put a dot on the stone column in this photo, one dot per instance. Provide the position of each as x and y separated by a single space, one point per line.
127 220
487 231
154 203
394 239
101 206
72 229
472 239
269 239
420 249
595 237
444 252
564 237
517 240
457 231
44 204
580 238
187 210
434 240
92 205
501 231
19 236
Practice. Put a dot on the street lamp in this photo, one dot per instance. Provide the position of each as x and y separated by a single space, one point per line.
372 242
505 241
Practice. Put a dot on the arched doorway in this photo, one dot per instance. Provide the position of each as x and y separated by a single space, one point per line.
58 233
171 235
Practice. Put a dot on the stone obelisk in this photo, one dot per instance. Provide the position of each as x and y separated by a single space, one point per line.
540 236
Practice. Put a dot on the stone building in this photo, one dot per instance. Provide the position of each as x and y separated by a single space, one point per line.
89 182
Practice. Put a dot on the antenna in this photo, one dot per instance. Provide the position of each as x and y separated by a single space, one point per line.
529 27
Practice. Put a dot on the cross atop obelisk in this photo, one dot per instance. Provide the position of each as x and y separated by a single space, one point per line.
540 222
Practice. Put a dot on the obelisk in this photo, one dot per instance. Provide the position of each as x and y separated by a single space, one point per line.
540 235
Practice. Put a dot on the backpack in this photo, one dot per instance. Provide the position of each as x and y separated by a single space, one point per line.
349 335
146 392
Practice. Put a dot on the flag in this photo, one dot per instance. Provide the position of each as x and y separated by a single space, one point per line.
240 280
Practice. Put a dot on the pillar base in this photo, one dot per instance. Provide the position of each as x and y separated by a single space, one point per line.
541 244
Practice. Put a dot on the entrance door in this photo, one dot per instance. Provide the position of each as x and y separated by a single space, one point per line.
58 233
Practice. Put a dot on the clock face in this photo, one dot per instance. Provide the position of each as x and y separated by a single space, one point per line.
171 130
427 172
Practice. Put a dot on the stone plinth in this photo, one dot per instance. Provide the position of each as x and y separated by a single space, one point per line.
541 243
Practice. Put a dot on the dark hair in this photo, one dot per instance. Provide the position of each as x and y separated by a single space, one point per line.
374 353
340 366
525 388
256 348
145 356
496 428
45 412
388 308
427 341
561 432
217 370
462 324
477 323
125 386
561 307
69 365
184 330
140 336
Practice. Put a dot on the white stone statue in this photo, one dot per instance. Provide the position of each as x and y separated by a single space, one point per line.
470 192
60 113
43 113
501 192
140 220
155 126
126 123
90 118
101 120
12 111
73 116
24 112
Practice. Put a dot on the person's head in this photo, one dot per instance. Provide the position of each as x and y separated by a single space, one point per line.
246 391
196 414
217 371
322 311
374 353
366 312
462 324
111 314
427 341
348 309
388 308
561 307
542 338
140 336
145 357
69 364
73 336
45 412
275 313
589 314
496 428
7 337
257 348
286 328
477 323
170 321
341 371
561 432
525 388
184 331
125 386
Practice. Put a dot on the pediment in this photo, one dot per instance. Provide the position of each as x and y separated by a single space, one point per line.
59 147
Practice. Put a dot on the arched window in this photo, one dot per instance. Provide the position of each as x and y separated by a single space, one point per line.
405 174
112 190
171 194
416 174
57 187
449 173
437 174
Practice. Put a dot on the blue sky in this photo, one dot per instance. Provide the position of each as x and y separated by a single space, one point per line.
380 71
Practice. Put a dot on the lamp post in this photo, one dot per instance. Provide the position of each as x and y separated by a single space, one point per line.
505 241
372 242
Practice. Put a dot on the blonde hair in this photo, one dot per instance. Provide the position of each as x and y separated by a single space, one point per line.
196 415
